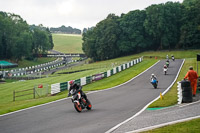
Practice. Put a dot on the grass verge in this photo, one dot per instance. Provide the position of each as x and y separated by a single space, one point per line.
183 127
66 43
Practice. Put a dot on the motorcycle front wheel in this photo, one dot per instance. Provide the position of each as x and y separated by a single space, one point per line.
77 107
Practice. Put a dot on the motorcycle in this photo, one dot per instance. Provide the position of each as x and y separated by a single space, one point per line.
80 102
167 63
154 82
173 58
165 70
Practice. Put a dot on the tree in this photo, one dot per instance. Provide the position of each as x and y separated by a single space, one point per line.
88 45
41 43
23 46
100 43
133 37
190 29
162 23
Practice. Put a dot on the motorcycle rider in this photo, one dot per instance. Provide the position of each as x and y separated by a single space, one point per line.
165 69
173 58
153 77
76 88
167 63
154 80
167 57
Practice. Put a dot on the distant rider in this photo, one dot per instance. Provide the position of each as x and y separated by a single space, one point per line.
76 88
167 63
167 57
173 58
165 69
153 77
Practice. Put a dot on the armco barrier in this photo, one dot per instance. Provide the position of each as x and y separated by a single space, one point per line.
58 87
63 86
32 69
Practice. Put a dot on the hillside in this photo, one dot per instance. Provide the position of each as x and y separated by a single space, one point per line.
67 43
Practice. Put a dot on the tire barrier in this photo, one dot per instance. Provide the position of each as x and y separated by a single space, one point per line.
58 87
186 91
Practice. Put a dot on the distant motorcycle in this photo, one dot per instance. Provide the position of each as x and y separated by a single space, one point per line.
167 63
154 83
165 69
79 102
173 58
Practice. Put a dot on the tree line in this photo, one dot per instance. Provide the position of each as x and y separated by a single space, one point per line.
19 40
166 26
66 30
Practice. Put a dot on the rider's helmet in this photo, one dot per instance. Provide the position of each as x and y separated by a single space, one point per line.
152 75
71 82
165 66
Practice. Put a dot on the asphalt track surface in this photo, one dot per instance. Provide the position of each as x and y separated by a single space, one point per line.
110 107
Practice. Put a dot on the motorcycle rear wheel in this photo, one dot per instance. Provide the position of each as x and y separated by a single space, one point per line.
155 86
89 105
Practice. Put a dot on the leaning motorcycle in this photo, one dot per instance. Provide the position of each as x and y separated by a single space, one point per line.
80 102
154 83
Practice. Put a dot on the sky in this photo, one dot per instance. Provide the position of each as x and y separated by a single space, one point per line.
75 13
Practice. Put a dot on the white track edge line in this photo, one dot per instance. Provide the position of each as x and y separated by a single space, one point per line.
117 126
184 105
69 97
164 124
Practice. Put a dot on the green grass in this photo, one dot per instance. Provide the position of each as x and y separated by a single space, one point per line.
25 63
183 127
180 54
66 43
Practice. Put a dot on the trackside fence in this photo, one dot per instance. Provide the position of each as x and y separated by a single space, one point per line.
39 90
23 93
58 87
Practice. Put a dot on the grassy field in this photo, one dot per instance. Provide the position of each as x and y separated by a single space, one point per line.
67 43
25 63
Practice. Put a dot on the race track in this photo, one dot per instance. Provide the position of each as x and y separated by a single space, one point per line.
110 107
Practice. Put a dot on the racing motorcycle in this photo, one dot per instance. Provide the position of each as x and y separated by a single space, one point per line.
154 83
80 102
165 70
173 58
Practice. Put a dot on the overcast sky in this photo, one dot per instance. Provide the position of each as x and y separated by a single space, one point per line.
75 13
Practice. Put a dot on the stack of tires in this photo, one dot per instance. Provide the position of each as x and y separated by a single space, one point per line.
186 91
198 83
